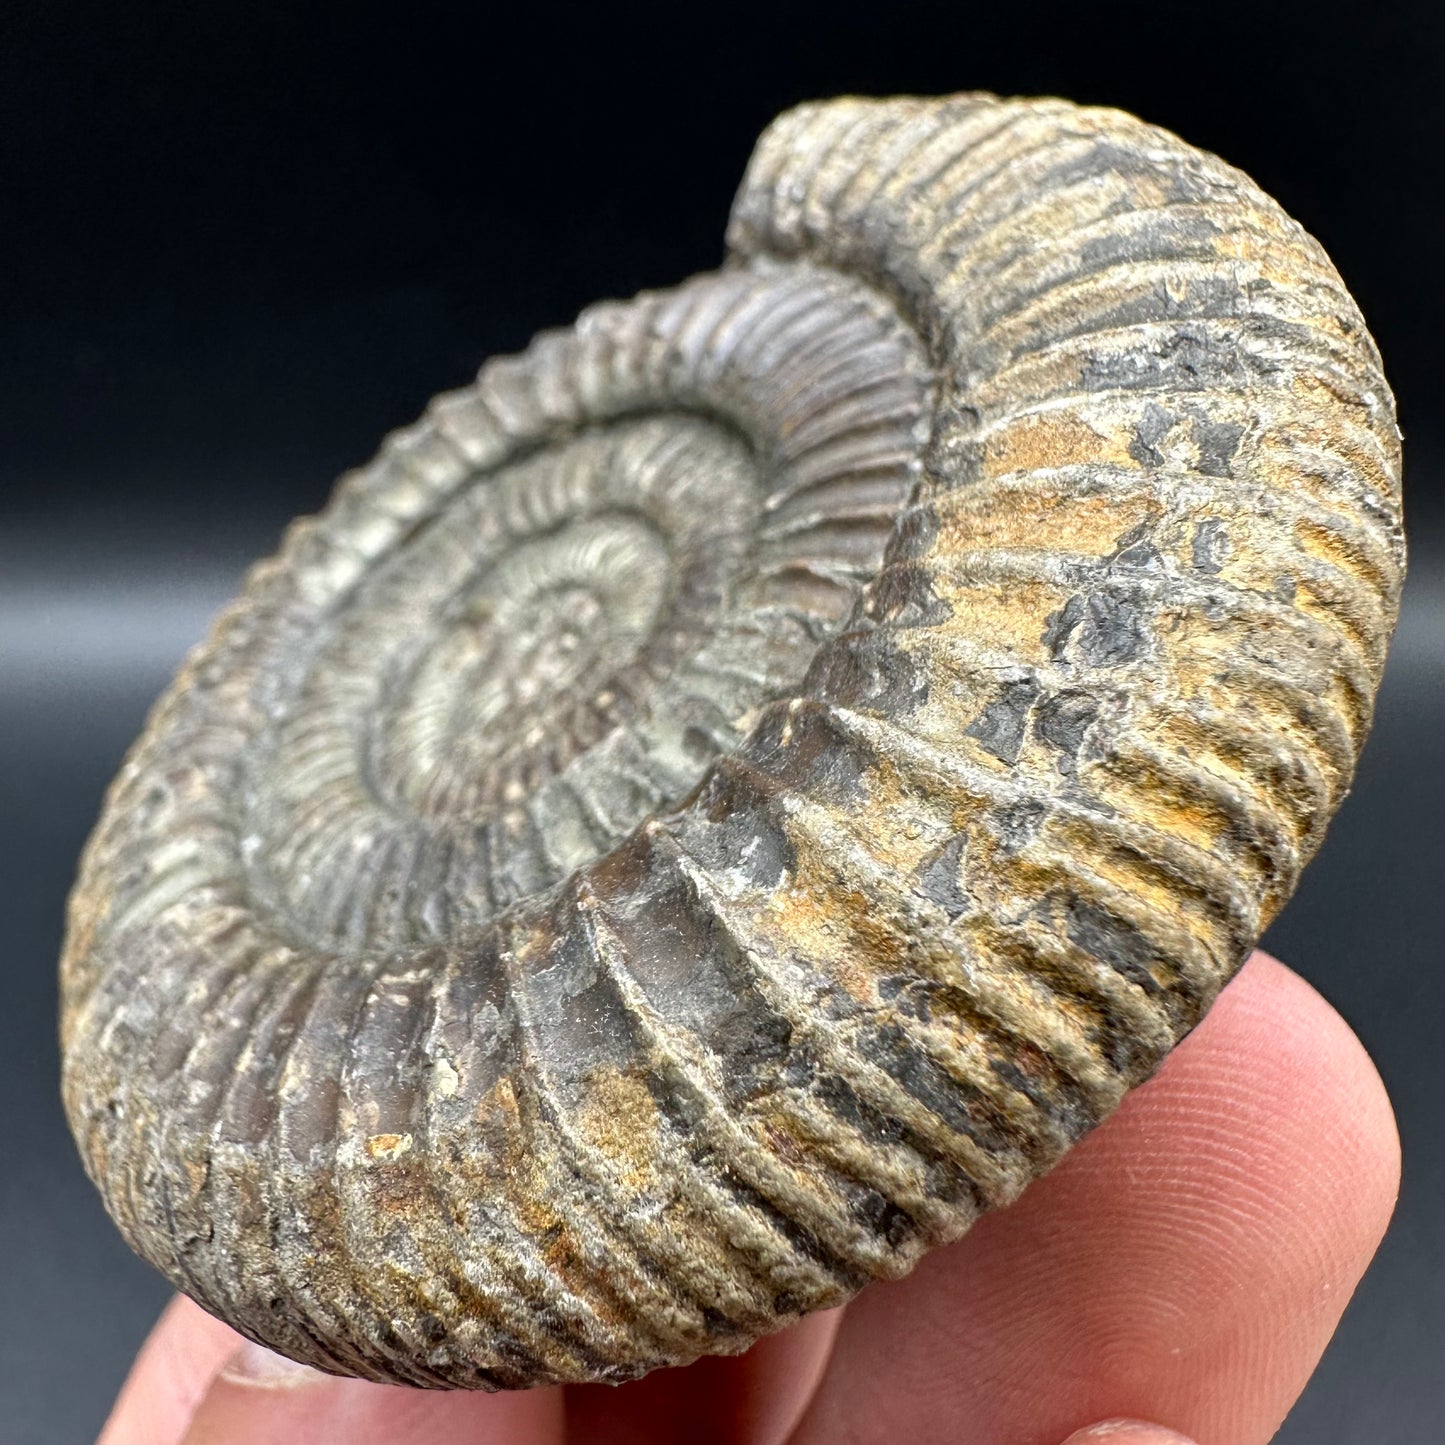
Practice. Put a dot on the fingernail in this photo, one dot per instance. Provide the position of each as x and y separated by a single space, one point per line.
1127 1432
255 1365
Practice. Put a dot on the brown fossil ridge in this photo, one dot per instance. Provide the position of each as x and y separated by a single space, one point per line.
740 789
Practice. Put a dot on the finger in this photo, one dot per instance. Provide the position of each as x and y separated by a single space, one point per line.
261 1399
196 1380
1186 1264
750 1399
177 1362
1126 1432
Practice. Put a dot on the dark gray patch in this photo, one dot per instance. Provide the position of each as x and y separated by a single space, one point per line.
956 458
753 1041
577 1015
1217 441
1269 844
866 669
938 879
1063 721
573 964
1151 429
1126 1055
1105 157
1190 182
1060 626
840 1098
677 1100
737 835
1113 941
1160 237
891 1050
1210 296
692 970
761 850
1190 359
1285 587
908 994
1105 627
1215 294
883 1218
478 1009
902 594
1001 726
1139 557
945 1179
1211 545
1018 824
807 752
1063 1106
1184 178
914 531
802 1239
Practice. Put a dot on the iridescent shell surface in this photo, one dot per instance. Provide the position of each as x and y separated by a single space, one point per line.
739 790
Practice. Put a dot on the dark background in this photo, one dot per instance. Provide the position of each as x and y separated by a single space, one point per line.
238 241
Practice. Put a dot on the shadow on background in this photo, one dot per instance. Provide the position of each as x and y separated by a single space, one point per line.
240 243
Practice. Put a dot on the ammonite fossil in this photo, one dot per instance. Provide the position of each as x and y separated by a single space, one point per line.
740 789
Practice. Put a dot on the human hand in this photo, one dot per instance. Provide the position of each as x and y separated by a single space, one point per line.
1185 1266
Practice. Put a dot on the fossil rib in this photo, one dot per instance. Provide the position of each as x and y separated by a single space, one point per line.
740 789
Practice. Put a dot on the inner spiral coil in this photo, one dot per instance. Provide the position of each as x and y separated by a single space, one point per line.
562 645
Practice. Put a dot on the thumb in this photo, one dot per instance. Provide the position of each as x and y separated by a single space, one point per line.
260 1398
1127 1432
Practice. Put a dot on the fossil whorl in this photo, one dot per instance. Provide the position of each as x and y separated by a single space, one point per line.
740 789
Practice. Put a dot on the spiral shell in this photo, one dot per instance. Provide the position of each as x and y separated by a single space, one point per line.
740 789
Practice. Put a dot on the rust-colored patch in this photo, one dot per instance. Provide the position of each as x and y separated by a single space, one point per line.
1048 440
619 1117
1007 615
385 1148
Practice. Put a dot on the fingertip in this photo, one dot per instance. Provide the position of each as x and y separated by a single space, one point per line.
1187 1262
259 1396
1288 1013
1293 1063
175 1365
254 1365
1271 1136
1126 1432
755 1398
197 1382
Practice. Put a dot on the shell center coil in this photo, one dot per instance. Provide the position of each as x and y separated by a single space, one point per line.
557 652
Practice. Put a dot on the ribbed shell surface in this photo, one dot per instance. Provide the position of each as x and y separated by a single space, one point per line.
742 788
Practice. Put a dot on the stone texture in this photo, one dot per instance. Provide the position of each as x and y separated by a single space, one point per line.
743 787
